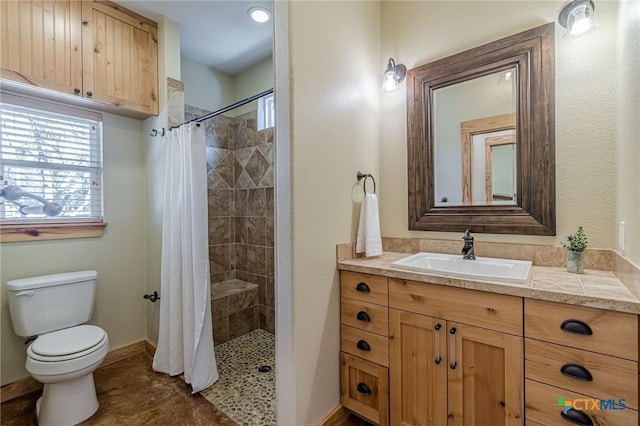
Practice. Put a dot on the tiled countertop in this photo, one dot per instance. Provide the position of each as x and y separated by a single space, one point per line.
594 288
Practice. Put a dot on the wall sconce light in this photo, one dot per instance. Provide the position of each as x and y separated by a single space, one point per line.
393 76
577 16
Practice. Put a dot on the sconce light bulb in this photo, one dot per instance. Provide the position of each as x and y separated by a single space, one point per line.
577 16
389 82
580 25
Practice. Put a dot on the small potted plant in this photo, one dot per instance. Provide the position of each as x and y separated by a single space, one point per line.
575 246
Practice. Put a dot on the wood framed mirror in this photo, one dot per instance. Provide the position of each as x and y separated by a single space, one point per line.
496 98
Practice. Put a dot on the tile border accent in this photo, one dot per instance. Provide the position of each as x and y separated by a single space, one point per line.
28 384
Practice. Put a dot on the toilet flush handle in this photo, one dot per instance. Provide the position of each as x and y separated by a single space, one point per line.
27 293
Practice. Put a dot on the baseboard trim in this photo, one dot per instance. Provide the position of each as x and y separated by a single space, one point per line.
335 417
28 384
149 348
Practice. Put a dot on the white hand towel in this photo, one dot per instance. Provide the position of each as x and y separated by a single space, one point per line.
369 240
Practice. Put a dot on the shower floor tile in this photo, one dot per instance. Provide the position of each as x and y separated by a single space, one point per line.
243 393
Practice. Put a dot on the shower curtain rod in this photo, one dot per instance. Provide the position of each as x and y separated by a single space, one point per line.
225 109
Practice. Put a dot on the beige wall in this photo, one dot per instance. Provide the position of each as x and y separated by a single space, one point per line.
119 256
415 33
210 89
335 90
628 126
252 81
205 87
154 161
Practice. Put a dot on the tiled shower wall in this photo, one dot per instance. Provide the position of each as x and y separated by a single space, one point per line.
240 177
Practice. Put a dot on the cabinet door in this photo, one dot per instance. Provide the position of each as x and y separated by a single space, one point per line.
40 44
485 377
120 57
418 371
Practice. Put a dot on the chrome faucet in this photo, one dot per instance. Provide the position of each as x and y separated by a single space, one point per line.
467 249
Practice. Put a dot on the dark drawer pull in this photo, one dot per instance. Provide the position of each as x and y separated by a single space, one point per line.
577 417
363 346
89 93
576 327
363 316
577 372
363 388
363 288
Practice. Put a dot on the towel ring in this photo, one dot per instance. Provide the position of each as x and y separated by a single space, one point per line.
365 176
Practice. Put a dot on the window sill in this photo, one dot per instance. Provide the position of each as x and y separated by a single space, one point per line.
50 231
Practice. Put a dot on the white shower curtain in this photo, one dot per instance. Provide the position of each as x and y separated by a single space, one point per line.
185 341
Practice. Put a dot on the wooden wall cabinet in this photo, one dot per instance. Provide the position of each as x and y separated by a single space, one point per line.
90 49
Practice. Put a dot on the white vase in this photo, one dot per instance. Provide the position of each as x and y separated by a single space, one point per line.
575 262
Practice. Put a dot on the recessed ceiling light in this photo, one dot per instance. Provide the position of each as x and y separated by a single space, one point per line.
259 14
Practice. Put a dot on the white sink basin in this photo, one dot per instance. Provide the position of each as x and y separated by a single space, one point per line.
481 268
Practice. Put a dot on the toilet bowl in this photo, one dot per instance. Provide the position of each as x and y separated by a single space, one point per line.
66 351
64 361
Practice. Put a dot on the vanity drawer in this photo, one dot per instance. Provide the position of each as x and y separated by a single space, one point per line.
364 287
365 316
611 378
611 333
541 400
364 388
488 310
372 347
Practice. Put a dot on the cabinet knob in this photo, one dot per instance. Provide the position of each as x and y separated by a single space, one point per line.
577 417
363 288
363 388
89 93
76 91
363 345
576 327
363 316
577 372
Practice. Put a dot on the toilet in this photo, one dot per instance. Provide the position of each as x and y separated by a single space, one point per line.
66 351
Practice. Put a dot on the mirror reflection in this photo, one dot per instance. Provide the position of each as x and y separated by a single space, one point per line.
474 133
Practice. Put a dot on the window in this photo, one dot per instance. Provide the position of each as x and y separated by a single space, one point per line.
266 112
50 168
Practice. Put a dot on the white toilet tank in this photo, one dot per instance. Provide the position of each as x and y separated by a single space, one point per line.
51 302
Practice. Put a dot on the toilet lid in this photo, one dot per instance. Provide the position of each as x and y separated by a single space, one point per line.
68 341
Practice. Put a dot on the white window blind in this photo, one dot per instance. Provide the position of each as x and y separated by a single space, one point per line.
50 166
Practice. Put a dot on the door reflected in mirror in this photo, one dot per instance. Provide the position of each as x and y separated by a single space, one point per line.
467 117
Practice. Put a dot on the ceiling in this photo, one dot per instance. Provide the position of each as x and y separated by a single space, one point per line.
215 33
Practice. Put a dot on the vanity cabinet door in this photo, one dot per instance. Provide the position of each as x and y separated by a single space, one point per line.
485 376
40 44
120 57
418 369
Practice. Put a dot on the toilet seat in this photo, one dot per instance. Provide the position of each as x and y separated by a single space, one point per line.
67 344
85 354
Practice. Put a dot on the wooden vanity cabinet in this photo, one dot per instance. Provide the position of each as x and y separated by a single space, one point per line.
459 357
364 384
90 49
579 354
446 372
